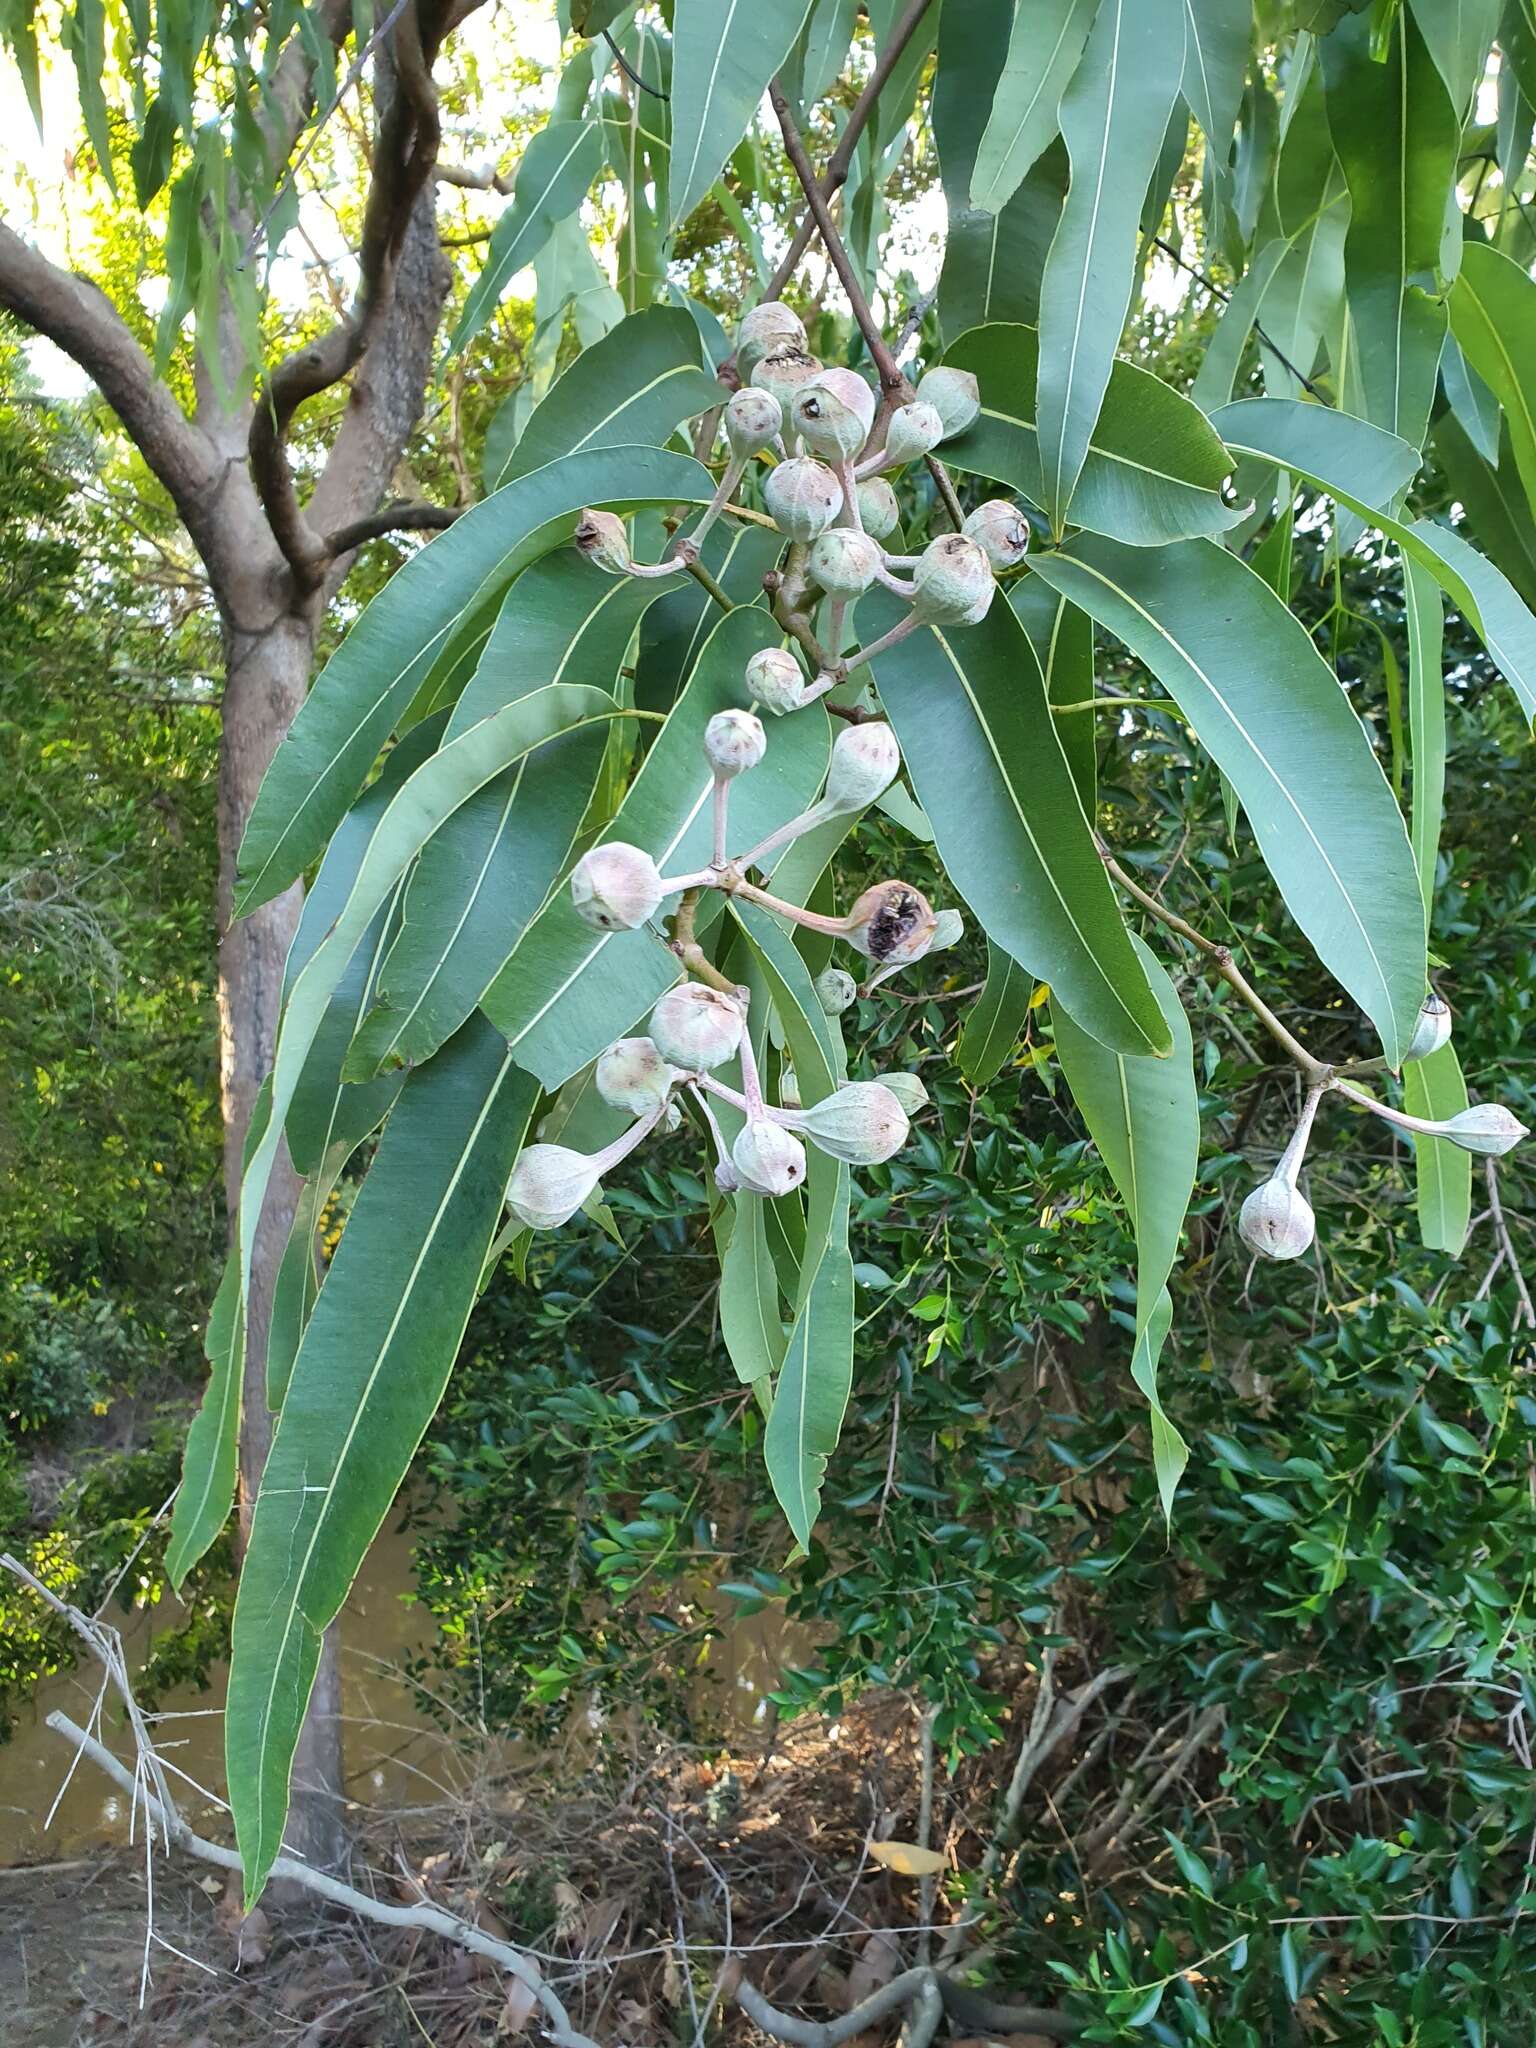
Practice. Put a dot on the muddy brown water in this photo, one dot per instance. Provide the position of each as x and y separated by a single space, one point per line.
397 1754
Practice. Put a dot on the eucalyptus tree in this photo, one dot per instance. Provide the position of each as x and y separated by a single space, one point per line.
577 778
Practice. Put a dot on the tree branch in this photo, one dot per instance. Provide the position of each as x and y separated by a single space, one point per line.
487 180
80 319
404 516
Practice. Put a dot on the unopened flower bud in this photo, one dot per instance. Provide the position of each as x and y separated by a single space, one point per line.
549 1184
908 1090
1487 1127
891 923
865 762
782 376
775 679
734 742
604 539
879 514
696 1027
954 395
836 990
770 1159
1002 530
954 582
1276 1220
1432 1030
844 561
754 420
803 497
616 887
912 431
834 414
862 1123
789 1087
631 1074
768 330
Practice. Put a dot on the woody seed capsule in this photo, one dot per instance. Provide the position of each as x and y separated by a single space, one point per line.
754 420
1002 530
775 679
834 414
616 887
954 395
604 539
954 582
782 376
844 561
768 330
913 430
836 990
1487 1128
891 923
770 1159
862 1123
631 1074
696 1027
1277 1221
1432 1030
879 514
803 498
734 741
549 1184
865 762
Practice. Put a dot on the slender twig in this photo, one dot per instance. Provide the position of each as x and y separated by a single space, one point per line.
1501 1232
1217 291
836 173
1104 1840
701 575
1315 1071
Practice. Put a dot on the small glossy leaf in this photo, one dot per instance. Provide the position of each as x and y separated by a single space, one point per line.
1269 710
969 707
724 54
557 167
1114 114
375 673
1155 468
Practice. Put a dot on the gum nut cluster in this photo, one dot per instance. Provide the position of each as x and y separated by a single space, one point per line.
632 1075
754 420
845 561
769 1158
1432 1030
953 582
696 1028
770 329
1001 530
1277 1221
616 887
734 741
775 680
803 497
865 762
836 990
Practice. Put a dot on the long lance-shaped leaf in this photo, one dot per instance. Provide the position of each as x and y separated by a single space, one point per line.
1153 472
375 673
432 794
811 1395
1043 50
1497 508
1396 135
750 1323
372 1367
484 874
568 990
1270 711
1433 1088
1336 453
1493 316
995 1019
634 385
1114 115
1145 1119
1062 638
552 180
970 709
1215 66
724 54
1458 34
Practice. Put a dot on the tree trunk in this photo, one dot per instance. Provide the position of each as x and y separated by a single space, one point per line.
266 676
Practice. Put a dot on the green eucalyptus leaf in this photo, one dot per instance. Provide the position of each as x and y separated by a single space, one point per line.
1144 1116
996 1019
1426 721
556 170
211 1461
1458 34
1114 115
1155 468
1269 710
1433 1088
1493 316
1043 51
969 707
377 670
371 1369
724 54
1497 508
750 1320
1062 637
1216 42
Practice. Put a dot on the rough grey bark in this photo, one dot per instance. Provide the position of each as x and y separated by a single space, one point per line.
271 605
